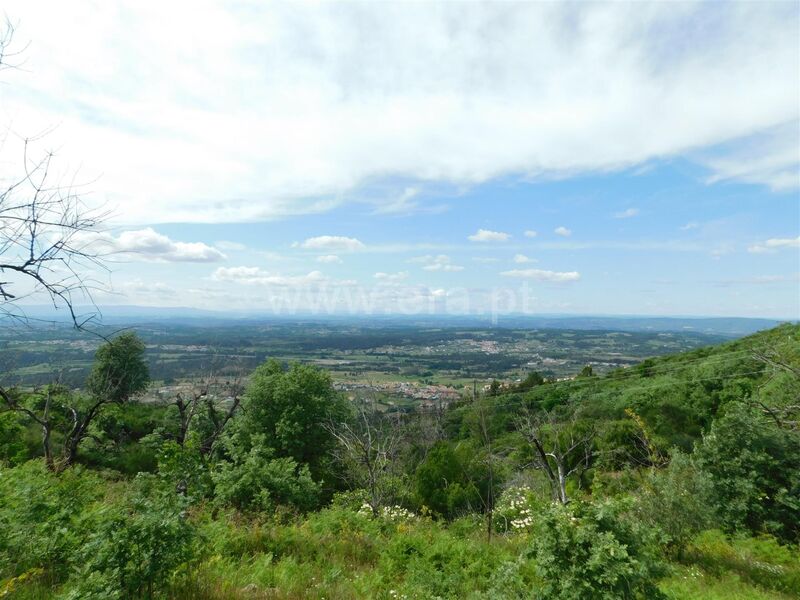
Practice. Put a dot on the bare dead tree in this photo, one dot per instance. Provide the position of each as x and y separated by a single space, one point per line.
561 448
43 419
46 241
368 448
9 57
204 399
53 408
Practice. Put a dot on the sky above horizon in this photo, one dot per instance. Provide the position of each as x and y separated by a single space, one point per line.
425 157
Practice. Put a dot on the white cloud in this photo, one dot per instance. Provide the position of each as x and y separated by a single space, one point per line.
329 259
562 231
391 278
773 245
690 225
405 203
563 89
486 235
541 275
257 276
626 214
441 262
770 157
332 242
530 233
521 259
447 268
148 244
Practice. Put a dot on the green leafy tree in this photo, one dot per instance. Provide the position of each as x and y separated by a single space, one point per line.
532 380
120 370
451 480
288 409
119 373
752 465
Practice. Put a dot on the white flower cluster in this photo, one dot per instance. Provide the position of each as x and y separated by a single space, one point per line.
524 521
515 508
395 513
394 594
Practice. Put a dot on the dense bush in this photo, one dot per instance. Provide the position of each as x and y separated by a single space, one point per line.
43 518
753 469
289 408
676 501
13 449
449 482
257 480
588 551
136 545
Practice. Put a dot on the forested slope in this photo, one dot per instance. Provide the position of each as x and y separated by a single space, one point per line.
676 478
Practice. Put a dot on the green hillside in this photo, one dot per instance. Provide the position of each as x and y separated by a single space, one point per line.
676 478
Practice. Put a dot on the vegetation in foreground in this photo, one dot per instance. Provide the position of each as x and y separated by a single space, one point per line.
677 478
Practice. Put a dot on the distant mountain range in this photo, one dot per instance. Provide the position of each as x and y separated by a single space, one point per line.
128 314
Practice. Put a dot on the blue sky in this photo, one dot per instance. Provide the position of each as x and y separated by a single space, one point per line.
458 157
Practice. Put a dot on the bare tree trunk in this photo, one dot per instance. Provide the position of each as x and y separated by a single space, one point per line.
567 446
77 434
46 429
562 482
48 451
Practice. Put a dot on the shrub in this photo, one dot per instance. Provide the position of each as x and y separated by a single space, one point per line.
41 517
516 509
677 501
136 546
752 467
587 552
261 482
13 450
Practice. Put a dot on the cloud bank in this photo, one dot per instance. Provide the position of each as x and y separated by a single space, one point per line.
148 244
542 275
225 112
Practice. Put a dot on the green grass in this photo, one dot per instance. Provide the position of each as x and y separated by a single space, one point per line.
692 583
338 554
